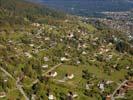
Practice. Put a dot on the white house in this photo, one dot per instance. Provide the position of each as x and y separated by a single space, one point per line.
31 45
64 59
51 97
78 62
101 86
44 66
109 82
70 35
46 59
75 95
2 94
36 24
84 53
69 76
53 74
28 55
71 95
33 97
47 39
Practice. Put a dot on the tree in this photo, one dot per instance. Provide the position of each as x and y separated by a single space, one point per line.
130 73
86 75
129 95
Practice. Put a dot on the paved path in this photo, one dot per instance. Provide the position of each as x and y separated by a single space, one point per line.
22 91
53 68
118 89
19 87
45 74
8 74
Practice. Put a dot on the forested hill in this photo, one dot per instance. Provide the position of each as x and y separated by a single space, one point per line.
44 54
88 7
16 11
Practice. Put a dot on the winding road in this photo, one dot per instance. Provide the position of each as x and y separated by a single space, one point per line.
53 68
19 87
113 94
45 74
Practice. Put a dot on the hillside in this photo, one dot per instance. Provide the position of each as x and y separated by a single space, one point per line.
19 12
46 54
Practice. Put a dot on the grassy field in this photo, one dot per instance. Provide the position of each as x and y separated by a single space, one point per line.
77 71
77 84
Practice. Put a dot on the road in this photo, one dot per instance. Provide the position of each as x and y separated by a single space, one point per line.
22 91
19 87
118 89
53 68
113 94
8 74
45 74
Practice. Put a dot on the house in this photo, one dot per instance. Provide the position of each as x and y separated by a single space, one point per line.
88 85
36 24
75 95
68 46
110 56
66 54
51 97
109 82
84 53
5 80
70 35
28 55
121 91
69 76
15 48
71 96
21 76
78 62
110 44
46 59
84 45
79 31
95 39
45 66
53 74
124 88
66 20
47 39
79 46
31 45
101 86
2 94
10 41
33 97
38 37
108 97
61 81
106 50
36 51
64 59
61 40
127 67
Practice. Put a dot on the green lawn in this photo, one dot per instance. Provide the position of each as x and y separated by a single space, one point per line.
77 71
77 84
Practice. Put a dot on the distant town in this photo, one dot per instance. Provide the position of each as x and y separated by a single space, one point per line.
122 21
46 54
